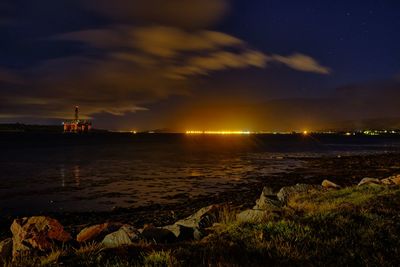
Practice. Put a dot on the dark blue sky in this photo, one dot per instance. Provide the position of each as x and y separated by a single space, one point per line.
359 40
260 65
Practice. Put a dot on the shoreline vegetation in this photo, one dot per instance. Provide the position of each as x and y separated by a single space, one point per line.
304 224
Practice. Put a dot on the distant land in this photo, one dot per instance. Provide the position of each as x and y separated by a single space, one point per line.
36 128
56 129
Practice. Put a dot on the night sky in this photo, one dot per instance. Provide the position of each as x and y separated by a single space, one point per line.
202 64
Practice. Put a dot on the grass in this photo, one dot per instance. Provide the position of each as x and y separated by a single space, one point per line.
355 226
159 259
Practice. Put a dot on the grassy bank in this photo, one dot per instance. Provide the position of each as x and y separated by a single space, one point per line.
350 226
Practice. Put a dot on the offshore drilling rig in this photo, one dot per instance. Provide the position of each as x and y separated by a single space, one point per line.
76 125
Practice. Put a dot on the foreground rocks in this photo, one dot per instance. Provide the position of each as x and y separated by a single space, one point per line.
37 233
330 185
6 247
367 180
193 227
154 234
392 180
267 200
253 215
40 234
126 235
270 203
287 192
265 205
96 232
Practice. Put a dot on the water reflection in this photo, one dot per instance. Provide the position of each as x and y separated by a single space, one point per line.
62 175
132 174
77 175
68 172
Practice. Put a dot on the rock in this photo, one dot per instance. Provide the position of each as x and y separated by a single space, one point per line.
126 235
367 180
158 235
396 179
265 205
96 232
268 200
36 233
330 185
253 215
287 192
392 180
184 233
193 226
203 218
6 247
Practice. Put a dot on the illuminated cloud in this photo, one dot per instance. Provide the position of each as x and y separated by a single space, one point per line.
185 53
168 41
159 41
221 60
170 51
302 63
141 55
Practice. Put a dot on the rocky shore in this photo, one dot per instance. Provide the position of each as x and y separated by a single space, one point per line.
44 240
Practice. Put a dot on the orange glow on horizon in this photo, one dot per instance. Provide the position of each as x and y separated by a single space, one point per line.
218 132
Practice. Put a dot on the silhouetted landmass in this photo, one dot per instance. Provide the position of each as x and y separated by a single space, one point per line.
33 128
19 127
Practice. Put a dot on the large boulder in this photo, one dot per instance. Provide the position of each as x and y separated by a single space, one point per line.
193 226
268 200
126 235
253 215
6 247
330 185
37 233
287 192
157 234
96 232
392 180
367 180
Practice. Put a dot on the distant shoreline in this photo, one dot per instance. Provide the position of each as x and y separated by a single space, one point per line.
38 128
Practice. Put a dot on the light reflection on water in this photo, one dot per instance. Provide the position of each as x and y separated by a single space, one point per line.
82 177
77 176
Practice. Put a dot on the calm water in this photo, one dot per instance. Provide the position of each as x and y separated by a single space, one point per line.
98 172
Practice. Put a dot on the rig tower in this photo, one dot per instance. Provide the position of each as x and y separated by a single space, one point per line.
76 125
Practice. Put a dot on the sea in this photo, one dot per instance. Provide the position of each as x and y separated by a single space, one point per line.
100 172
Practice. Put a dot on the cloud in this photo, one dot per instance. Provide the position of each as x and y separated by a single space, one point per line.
220 60
175 52
97 84
186 53
302 63
143 52
159 41
168 41
127 67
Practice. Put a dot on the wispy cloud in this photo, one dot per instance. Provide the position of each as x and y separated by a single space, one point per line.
302 62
